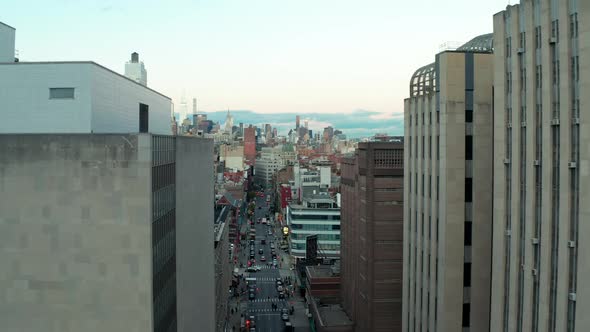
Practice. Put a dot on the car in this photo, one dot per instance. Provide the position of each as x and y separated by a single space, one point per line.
251 255
263 241
269 232
274 263
285 317
279 281
262 259
258 268
260 251
251 295
252 268
279 288
281 295
260 207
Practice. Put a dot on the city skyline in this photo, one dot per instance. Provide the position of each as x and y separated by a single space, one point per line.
259 56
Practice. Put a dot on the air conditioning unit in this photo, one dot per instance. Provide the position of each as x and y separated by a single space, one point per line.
552 40
508 232
555 122
506 160
509 125
520 50
534 271
576 121
572 296
537 162
535 240
571 164
523 124
571 244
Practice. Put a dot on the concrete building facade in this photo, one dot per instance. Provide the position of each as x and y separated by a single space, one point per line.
372 236
541 266
77 97
7 43
447 190
104 232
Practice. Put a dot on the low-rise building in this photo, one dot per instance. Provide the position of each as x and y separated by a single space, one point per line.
316 215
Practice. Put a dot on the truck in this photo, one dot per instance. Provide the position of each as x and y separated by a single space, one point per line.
252 233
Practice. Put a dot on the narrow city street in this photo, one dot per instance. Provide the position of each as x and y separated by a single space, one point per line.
265 306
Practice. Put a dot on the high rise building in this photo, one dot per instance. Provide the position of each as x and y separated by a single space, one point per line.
372 236
297 119
250 143
135 70
541 265
194 105
447 191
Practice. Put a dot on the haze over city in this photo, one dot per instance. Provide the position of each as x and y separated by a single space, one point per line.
265 56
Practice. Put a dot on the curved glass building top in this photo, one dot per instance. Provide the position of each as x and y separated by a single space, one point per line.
422 82
482 43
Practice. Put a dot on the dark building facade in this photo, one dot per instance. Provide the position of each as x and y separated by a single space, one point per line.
372 236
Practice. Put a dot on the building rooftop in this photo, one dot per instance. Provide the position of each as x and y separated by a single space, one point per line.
80 62
321 271
333 315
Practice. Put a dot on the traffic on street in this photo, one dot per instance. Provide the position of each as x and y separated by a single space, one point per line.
264 291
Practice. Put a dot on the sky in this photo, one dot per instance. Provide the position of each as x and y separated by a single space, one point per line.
267 56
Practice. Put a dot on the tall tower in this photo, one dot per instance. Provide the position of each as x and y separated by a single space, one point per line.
194 106
297 119
135 70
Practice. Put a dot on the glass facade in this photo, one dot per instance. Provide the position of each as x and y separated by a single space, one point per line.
164 233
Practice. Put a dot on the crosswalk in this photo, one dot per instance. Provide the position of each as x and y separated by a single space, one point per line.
272 299
273 279
253 311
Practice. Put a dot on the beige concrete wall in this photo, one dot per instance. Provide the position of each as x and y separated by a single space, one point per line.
444 298
507 218
75 233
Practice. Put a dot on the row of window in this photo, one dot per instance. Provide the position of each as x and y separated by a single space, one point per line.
321 237
315 227
313 217
321 246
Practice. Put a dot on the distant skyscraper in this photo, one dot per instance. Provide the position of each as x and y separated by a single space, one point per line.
250 143
448 192
135 70
241 129
274 132
229 122
194 105
541 257
183 106
306 124
297 119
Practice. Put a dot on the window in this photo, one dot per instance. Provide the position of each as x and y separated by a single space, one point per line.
467 239
61 93
469 116
467 275
468 190
468 147
143 118
466 312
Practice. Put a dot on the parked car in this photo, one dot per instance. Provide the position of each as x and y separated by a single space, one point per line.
262 259
261 251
